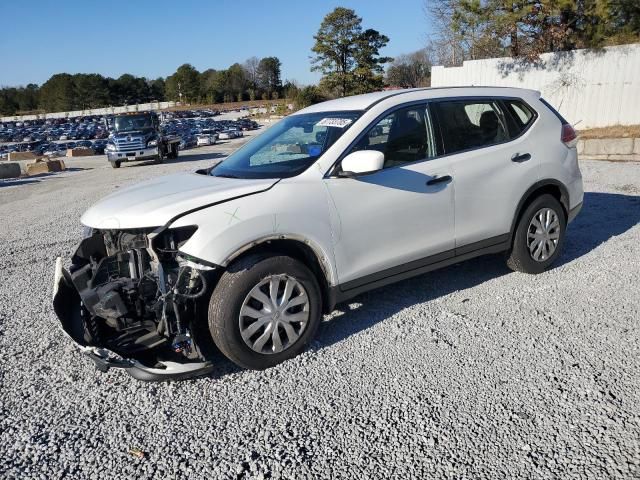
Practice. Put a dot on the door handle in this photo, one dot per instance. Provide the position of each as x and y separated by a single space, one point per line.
442 179
520 157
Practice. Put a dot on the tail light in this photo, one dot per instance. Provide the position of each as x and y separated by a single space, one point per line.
569 136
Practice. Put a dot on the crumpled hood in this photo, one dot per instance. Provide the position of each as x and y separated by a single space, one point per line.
154 202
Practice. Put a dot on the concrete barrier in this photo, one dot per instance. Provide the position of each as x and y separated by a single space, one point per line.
618 149
45 166
14 156
79 152
9 170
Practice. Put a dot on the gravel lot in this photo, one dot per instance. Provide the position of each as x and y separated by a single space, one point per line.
468 372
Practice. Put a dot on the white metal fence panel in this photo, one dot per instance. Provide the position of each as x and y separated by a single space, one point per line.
590 88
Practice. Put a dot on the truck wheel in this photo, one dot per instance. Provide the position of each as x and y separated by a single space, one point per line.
116 164
174 151
264 310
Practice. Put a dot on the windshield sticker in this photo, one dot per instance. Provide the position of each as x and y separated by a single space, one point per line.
334 122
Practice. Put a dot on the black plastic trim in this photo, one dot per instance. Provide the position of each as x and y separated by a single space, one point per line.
564 198
347 290
488 243
573 213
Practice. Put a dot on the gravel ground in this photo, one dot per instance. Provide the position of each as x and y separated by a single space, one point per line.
468 372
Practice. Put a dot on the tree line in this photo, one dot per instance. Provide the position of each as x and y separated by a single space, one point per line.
255 79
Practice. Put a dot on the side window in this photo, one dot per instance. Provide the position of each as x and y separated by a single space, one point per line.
522 115
467 124
405 135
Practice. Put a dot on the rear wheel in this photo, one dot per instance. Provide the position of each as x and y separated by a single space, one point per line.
539 236
264 310
116 164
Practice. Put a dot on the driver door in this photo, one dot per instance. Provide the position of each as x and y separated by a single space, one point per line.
398 218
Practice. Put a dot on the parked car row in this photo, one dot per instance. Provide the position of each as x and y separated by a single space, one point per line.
200 131
54 136
84 128
53 149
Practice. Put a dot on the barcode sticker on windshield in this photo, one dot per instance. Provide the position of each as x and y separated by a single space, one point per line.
334 122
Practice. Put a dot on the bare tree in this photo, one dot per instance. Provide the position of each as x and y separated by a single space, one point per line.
444 43
410 70
251 68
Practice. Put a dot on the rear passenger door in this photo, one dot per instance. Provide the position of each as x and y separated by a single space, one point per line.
493 162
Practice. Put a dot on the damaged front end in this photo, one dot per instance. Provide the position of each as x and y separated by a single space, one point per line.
131 300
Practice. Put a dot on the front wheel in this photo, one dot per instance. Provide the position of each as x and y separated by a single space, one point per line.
539 236
116 164
264 310
172 151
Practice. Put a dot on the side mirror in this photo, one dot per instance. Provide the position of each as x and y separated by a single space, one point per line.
362 162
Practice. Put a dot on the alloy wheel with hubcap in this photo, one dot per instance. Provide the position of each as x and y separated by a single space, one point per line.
274 314
543 234
264 309
539 235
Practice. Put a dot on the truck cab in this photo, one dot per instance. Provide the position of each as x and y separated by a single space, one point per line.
137 136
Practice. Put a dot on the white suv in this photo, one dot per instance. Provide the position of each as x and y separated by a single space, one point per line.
336 199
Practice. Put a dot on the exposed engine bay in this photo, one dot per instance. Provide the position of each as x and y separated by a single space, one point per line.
138 296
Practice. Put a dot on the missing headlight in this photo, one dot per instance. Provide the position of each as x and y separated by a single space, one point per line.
138 296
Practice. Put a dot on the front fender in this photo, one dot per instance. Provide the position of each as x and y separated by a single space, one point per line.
296 211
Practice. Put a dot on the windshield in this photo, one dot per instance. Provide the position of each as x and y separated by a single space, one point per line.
130 123
288 148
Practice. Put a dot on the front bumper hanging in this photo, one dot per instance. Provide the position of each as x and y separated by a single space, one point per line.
67 306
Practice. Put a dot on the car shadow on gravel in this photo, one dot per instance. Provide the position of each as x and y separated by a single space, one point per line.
378 305
37 178
18 181
603 215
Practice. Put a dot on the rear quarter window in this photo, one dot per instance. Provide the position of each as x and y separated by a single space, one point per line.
470 124
522 115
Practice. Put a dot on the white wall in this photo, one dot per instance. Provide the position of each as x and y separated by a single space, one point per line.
590 88
95 111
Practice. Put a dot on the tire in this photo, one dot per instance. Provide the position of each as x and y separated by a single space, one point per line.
116 164
527 236
173 151
231 296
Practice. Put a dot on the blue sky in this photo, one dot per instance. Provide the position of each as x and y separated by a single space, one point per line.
152 38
